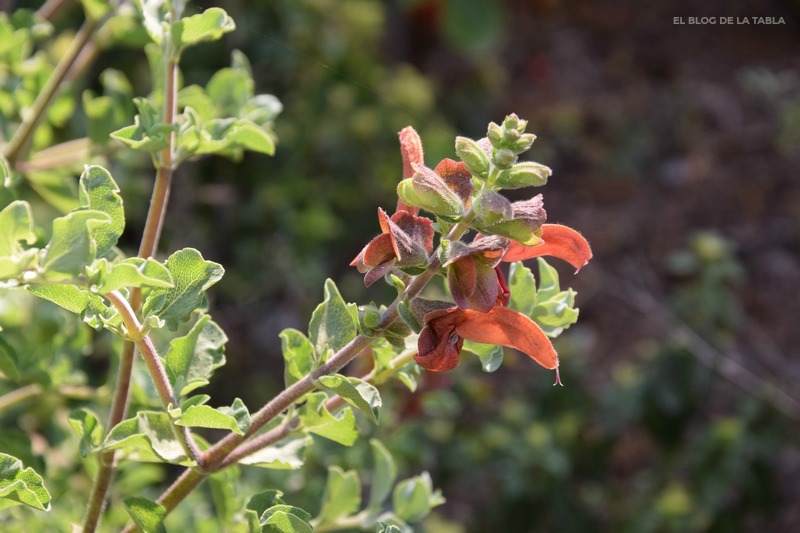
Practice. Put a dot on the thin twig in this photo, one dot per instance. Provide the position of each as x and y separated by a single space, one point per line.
157 372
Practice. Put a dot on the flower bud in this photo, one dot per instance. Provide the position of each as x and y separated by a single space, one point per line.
525 174
524 143
495 135
473 156
503 158
427 190
492 207
512 122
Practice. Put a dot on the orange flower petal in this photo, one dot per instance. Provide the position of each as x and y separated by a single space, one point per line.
559 241
510 328
412 154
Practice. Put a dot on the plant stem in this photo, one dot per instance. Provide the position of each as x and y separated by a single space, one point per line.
22 136
152 232
215 457
17 396
156 368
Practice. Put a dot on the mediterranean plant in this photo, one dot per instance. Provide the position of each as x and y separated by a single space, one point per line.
65 249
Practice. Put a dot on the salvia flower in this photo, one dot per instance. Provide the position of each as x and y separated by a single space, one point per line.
472 274
557 241
443 335
406 241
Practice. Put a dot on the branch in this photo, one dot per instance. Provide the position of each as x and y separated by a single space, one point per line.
22 136
156 368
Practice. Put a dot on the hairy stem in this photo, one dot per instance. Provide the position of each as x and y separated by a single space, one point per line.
215 457
149 243
156 368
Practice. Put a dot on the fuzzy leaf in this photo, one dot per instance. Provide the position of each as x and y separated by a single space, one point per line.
99 192
318 420
491 356
414 498
257 505
298 353
285 519
191 275
88 427
235 418
147 515
72 298
20 485
131 272
332 324
210 25
384 472
358 393
72 245
149 437
342 496
192 359
288 455
522 285
16 225
548 281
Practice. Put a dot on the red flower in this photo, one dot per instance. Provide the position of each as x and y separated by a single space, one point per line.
441 339
559 241
406 241
472 274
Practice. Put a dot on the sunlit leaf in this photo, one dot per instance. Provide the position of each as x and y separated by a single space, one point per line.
209 25
99 192
191 275
318 420
332 324
414 498
342 496
192 359
88 427
287 455
298 355
147 515
148 437
20 485
360 394
235 418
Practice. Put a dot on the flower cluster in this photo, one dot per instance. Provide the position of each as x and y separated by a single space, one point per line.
464 198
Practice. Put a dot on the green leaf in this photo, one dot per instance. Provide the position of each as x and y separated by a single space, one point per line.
235 418
88 427
356 392
252 137
258 504
147 133
556 314
414 498
332 324
298 354
16 225
522 285
342 496
192 359
131 272
383 527
318 420
20 485
384 472
76 299
148 437
95 9
226 495
285 519
230 89
191 275
99 192
209 25
288 455
548 281
491 356
147 515
9 361
153 12
72 246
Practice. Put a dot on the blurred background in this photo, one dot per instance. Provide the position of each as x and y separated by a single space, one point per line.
675 150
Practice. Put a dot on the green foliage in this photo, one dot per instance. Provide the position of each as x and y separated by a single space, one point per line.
414 498
149 437
333 323
356 392
20 485
147 515
317 419
192 358
235 418
192 276
342 495
551 308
